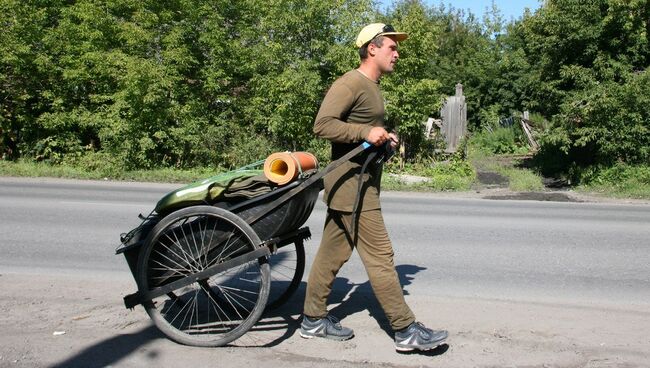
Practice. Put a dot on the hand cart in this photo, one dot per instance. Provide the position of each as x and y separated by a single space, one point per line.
204 272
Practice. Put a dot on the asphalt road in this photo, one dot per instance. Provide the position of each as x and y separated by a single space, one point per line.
517 283
524 250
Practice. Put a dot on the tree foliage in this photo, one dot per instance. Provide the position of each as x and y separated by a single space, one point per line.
586 72
185 83
178 83
605 125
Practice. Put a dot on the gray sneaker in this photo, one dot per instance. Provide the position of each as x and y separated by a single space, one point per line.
416 336
328 327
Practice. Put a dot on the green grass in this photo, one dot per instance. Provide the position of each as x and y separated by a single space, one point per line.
619 181
450 176
630 190
389 182
442 176
167 175
453 175
502 140
520 179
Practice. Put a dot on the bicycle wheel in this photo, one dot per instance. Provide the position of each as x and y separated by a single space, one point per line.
213 309
287 268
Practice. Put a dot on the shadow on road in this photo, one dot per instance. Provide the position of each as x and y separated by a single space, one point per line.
433 352
350 297
354 298
109 351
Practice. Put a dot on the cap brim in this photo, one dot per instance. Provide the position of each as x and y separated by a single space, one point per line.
399 36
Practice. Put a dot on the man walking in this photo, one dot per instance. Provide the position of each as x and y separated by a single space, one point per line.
353 111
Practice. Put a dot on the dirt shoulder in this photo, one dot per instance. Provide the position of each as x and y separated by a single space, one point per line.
550 195
492 185
49 318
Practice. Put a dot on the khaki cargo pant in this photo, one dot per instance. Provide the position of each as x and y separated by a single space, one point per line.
376 252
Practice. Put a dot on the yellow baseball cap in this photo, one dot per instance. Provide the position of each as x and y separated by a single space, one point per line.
369 32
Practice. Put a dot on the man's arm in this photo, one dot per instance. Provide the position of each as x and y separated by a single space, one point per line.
329 122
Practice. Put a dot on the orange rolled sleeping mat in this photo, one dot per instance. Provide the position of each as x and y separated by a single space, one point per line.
284 167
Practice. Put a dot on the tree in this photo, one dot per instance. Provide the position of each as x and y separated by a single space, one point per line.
410 92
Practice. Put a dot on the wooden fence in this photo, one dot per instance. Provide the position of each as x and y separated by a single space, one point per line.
453 122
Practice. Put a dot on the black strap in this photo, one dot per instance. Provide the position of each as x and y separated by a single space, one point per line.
357 199
385 152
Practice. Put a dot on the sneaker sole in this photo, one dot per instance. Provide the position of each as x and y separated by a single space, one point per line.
331 337
407 348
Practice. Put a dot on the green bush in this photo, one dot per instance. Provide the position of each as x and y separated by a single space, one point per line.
620 180
451 175
522 180
602 126
501 140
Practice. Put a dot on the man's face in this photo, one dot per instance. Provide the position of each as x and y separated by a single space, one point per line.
386 56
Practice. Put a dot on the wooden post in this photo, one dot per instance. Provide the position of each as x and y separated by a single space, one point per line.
529 132
454 119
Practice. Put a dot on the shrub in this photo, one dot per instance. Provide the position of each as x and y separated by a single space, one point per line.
602 126
501 140
618 180
451 175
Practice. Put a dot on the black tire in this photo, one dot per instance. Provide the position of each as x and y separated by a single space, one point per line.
212 311
287 269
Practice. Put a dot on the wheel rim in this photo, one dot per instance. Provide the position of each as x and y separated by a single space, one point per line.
211 311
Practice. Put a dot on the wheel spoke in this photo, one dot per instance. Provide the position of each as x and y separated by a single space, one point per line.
226 246
192 258
235 294
214 230
203 257
230 300
179 247
241 290
234 252
180 268
285 276
179 313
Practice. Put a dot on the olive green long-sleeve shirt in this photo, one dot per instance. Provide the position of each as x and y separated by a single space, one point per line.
352 107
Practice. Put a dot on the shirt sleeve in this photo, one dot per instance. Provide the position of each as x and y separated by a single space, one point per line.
330 124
